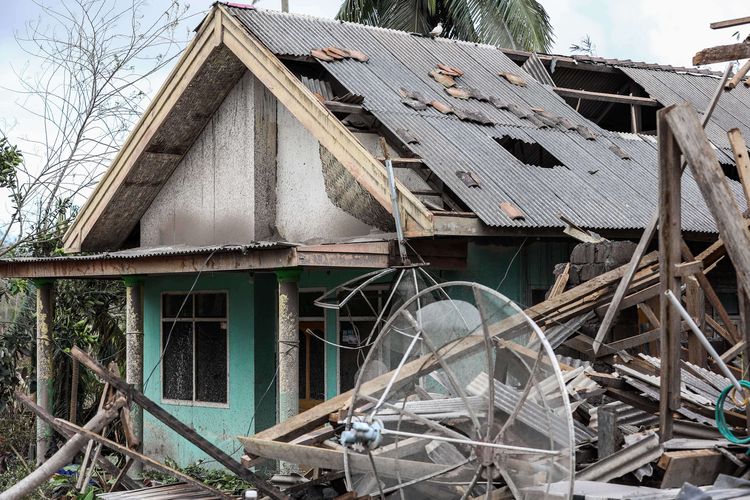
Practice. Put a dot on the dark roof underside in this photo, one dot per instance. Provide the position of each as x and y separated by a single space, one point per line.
594 186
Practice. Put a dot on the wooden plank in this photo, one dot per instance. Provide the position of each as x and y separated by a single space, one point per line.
735 80
650 315
730 332
744 306
670 229
730 23
722 53
689 268
560 282
733 352
709 176
605 97
697 467
695 306
176 425
741 159
334 459
141 458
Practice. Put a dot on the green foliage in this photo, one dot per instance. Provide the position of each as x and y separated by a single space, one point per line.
517 24
10 158
216 478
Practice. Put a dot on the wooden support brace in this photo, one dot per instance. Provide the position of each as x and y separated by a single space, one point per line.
686 269
741 159
670 228
730 23
730 332
686 128
737 78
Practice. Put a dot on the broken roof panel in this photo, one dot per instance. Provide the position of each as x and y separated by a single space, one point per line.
594 187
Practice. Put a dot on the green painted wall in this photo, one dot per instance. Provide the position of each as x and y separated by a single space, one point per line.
218 425
265 305
252 337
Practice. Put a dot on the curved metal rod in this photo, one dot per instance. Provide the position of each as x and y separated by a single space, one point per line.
370 277
489 349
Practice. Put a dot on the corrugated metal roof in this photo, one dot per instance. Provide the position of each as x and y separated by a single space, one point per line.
594 187
159 251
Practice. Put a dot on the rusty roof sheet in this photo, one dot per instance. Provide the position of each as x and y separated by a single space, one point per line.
594 187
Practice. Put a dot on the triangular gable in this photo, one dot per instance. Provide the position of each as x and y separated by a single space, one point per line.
211 65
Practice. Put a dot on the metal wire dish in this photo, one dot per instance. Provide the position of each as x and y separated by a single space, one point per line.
426 420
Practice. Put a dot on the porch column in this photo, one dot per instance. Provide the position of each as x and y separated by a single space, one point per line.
134 355
44 353
288 349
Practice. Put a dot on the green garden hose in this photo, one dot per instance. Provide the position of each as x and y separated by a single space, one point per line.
721 421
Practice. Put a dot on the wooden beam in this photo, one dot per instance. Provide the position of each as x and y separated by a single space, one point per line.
698 467
601 96
560 282
696 306
722 53
358 256
176 425
738 76
334 459
344 107
687 130
741 159
732 335
670 229
730 23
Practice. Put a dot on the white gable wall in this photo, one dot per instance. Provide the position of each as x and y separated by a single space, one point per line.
211 196
211 192
303 209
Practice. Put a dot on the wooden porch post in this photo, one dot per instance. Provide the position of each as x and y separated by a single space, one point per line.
670 236
134 355
288 349
44 352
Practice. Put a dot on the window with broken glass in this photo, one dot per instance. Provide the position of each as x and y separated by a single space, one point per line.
194 347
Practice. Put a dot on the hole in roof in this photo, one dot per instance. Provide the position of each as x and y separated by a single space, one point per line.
730 170
528 153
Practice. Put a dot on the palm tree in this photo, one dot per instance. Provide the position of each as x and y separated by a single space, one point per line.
516 24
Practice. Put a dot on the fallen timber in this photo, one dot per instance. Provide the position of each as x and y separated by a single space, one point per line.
567 305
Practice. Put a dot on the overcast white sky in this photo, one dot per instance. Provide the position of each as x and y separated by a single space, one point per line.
659 31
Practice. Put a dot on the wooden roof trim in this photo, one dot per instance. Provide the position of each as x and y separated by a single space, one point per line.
322 124
219 28
372 255
196 53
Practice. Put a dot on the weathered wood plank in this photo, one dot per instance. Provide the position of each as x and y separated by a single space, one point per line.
722 53
730 23
605 97
698 467
732 335
739 75
712 182
670 229
741 159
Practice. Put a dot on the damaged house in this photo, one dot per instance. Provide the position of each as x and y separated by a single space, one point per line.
255 182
